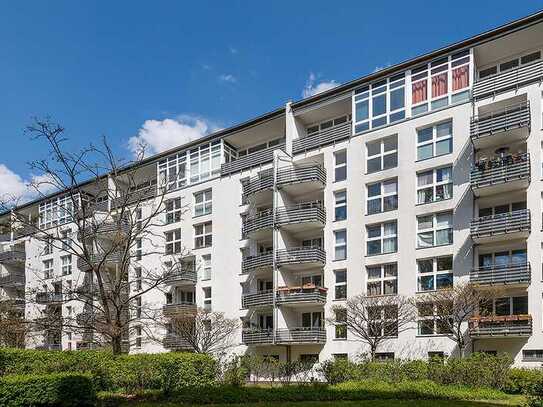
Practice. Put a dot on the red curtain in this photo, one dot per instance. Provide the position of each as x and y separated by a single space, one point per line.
419 91
460 77
439 85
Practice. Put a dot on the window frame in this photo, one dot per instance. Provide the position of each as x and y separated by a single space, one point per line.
434 273
382 196
206 204
382 279
205 238
435 184
435 229
174 210
340 245
341 166
66 267
48 267
382 237
341 293
382 154
340 204
435 139
173 242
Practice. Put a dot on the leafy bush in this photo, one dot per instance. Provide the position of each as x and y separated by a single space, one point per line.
535 395
56 389
522 381
340 370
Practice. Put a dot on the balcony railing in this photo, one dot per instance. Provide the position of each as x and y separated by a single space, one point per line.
96 258
250 161
175 342
179 308
103 228
258 183
322 138
188 276
297 255
507 118
501 224
12 279
496 326
251 263
500 171
258 299
257 336
301 335
304 294
12 256
49 297
509 80
513 273
301 173
301 213
262 220
142 194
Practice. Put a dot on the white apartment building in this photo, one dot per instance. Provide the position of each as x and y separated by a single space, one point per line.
410 179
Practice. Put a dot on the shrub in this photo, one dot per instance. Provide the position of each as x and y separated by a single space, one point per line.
340 370
535 395
56 389
522 381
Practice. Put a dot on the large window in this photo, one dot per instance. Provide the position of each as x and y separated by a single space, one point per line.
203 203
174 210
261 146
340 287
382 196
510 64
66 263
381 238
48 269
340 245
433 141
173 241
340 166
340 205
206 260
434 185
441 82
56 211
382 154
429 323
435 273
380 103
382 279
434 230
341 323
505 306
503 259
207 298
203 235
315 128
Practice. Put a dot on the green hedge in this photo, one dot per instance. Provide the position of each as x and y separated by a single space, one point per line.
165 371
54 390
523 381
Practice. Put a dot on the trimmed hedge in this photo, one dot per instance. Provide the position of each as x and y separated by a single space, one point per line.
523 381
54 390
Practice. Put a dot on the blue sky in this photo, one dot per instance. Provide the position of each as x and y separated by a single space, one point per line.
169 70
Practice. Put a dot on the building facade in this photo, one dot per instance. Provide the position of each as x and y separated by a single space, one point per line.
412 179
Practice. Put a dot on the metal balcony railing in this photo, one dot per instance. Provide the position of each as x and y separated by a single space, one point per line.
262 220
507 118
496 326
331 135
251 263
500 224
176 343
301 213
512 273
189 276
257 299
12 279
12 256
500 171
301 335
250 161
261 182
304 294
509 80
257 336
300 173
49 297
103 228
97 258
297 255
179 308
148 191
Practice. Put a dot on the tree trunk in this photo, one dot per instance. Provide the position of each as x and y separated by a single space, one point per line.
461 348
373 348
116 343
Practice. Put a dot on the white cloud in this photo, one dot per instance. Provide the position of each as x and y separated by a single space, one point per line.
161 135
15 189
312 87
228 78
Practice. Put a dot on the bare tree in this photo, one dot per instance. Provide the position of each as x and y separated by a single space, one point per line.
13 327
450 309
106 215
374 319
204 331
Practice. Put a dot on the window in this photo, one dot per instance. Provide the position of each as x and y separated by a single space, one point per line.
48 269
138 249
66 262
137 275
261 146
503 259
173 241
340 246
428 321
382 196
173 210
340 166
506 306
315 128
380 103
341 284
56 211
138 336
382 279
384 356
511 64
435 273
382 154
434 141
340 205
48 249
434 185
434 230
383 320
532 355
206 259
203 203
138 307
312 320
207 298
203 235
65 237
381 238
341 323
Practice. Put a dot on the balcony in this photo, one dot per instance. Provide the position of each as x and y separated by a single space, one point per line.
250 161
300 335
257 299
502 274
257 336
300 180
176 343
105 228
505 81
188 277
500 326
322 138
99 259
12 279
300 257
259 222
179 308
13 257
503 226
147 190
503 126
501 175
309 294
252 263
259 183
49 298
300 216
